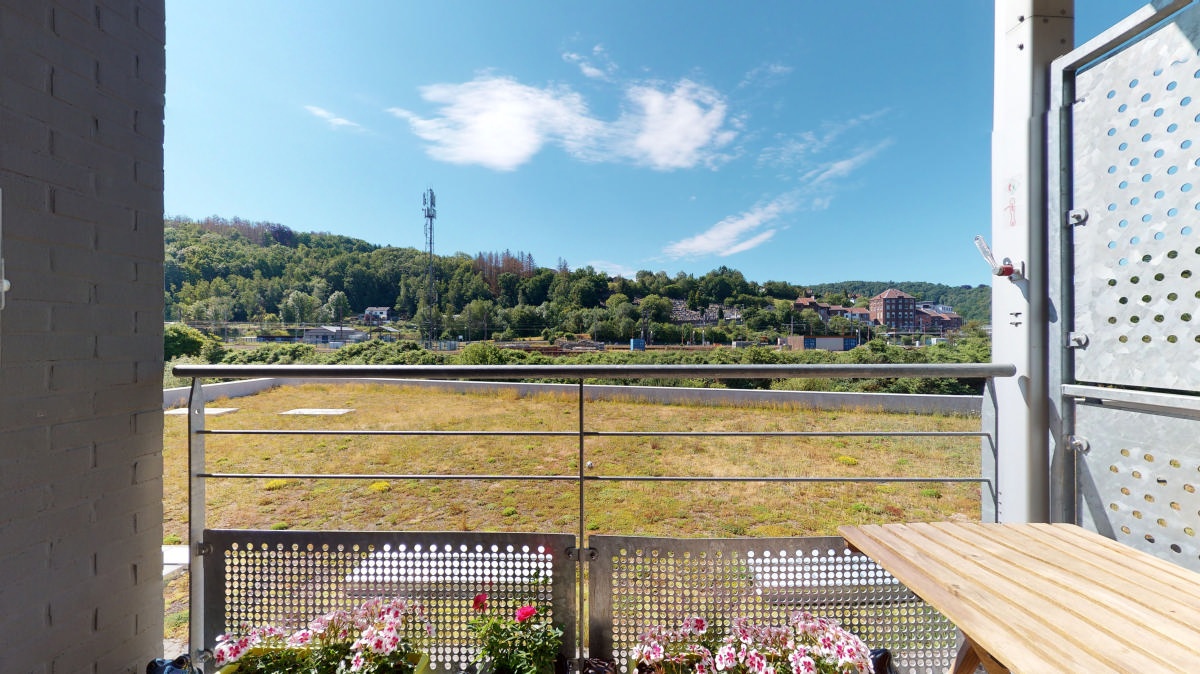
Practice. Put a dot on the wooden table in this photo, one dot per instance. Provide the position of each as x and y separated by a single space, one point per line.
1043 598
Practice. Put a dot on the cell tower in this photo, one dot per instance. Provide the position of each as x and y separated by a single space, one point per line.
429 329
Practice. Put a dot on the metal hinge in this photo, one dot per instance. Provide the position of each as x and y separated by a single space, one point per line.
204 549
1077 217
1077 340
590 554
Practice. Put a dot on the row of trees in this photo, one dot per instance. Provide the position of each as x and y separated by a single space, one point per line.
234 270
970 346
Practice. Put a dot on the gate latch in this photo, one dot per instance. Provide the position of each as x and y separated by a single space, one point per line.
1005 267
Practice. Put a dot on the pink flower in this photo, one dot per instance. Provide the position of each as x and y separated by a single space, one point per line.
695 625
479 603
525 613
726 658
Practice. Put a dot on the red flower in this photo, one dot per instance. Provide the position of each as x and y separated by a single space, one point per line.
479 603
525 613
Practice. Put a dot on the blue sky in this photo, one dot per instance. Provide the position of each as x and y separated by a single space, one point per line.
798 141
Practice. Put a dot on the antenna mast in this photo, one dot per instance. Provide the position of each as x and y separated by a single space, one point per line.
428 330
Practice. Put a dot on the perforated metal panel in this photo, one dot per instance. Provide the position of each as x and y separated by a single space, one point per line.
286 578
1134 285
638 582
1136 169
1140 478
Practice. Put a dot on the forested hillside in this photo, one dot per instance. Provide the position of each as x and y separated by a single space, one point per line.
234 270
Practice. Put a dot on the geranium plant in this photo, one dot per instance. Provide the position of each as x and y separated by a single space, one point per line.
806 645
688 648
514 639
375 638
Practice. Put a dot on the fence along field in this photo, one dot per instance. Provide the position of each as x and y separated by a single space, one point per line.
691 509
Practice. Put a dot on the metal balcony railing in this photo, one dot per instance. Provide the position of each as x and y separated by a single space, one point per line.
366 557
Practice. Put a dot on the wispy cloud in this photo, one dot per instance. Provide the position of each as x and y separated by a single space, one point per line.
842 168
598 66
737 233
612 268
334 120
766 74
797 149
500 123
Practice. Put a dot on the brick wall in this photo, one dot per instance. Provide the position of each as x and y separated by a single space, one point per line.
81 133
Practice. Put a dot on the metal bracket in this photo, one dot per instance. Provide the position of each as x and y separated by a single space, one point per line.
1077 217
1077 340
590 554
1078 444
204 549
4 284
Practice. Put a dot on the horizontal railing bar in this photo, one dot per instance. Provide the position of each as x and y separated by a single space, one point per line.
851 371
575 478
603 434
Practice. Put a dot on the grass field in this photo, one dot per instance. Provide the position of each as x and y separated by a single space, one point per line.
646 508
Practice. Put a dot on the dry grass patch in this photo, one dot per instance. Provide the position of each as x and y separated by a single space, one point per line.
620 507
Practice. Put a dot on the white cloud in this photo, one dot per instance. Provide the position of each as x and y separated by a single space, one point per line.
794 150
333 120
598 67
681 128
501 124
843 167
766 74
735 234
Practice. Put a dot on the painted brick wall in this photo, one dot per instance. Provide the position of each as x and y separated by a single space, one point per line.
81 135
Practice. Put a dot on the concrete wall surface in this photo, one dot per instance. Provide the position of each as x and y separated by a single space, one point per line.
81 174
900 403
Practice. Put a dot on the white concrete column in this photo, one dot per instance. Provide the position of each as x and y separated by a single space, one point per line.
1029 35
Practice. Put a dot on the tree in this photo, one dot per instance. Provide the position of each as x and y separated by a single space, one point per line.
338 306
477 316
655 308
813 324
181 340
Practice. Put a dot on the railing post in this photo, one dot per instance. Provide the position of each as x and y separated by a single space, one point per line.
987 454
196 524
581 558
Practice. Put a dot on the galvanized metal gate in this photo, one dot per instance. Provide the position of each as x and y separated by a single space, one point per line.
1126 294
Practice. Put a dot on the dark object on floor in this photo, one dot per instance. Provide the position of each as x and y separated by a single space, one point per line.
180 665
598 666
881 661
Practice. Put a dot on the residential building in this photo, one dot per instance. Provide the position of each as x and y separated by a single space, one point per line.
377 314
937 322
895 309
328 335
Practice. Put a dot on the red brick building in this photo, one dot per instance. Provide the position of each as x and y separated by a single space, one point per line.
895 309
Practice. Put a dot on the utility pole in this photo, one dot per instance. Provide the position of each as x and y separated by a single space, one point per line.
429 201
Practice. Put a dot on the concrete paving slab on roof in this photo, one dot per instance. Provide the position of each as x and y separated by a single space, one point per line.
319 411
208 411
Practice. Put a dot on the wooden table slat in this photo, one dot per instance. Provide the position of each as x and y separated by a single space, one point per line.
1045 597
1137 583
918 566
1081 596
